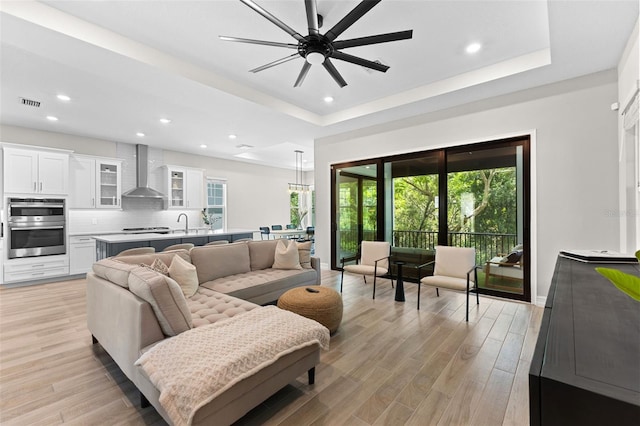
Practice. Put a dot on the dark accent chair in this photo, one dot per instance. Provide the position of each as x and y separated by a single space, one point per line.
264 230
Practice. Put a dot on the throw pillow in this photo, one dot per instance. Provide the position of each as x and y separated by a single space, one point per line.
158 266
286 256
165 297
185 275
514 257
304 252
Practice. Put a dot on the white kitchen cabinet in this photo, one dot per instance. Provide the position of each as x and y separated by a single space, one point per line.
95 183
82 254
184 187
35 172
35 268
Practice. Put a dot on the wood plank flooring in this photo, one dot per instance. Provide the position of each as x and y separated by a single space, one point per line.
389 364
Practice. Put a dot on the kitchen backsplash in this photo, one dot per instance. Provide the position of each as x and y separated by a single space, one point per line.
101 221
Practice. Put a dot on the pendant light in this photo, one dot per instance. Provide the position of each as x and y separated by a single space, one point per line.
298 186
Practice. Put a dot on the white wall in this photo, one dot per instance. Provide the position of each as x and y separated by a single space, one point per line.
257 195
628 82
575 174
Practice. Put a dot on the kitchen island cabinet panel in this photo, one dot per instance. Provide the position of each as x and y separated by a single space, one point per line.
104 249
160 245
196 241
110 245
236 237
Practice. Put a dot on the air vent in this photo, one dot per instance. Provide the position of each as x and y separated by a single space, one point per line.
30 102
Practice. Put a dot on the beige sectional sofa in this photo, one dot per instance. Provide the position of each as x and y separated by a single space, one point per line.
131 308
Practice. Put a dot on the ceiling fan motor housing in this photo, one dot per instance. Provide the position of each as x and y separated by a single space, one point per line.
315 44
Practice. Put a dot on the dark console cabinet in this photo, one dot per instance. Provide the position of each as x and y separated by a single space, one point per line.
586 364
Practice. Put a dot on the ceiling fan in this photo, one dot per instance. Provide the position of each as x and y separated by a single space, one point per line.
318 48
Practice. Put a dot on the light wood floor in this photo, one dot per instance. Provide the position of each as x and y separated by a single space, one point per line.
389 364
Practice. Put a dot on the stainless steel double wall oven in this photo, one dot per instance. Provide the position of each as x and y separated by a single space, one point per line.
37 227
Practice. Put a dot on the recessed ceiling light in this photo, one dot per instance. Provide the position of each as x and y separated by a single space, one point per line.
244 146
165 121
328 99
140 134
52 118
473 48
232 136
64 97
203 146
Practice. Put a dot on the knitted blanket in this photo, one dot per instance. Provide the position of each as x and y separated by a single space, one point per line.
194 367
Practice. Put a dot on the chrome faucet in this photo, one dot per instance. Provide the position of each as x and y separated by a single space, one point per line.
186 225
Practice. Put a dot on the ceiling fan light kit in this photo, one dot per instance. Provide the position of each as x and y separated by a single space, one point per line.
317 48
315 58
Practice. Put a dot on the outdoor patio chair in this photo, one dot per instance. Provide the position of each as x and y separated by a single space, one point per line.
509 267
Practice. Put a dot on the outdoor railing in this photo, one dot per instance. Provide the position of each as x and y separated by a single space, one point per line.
487 245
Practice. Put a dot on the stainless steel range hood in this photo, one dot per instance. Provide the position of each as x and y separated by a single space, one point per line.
142 189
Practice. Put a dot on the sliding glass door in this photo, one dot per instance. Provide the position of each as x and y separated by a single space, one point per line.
414 202
485 210
469 196
356 211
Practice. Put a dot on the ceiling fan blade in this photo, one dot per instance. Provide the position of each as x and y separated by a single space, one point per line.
274 63
359 61
273 19
303 73
312 16
264 42
351 17
328 65
380 38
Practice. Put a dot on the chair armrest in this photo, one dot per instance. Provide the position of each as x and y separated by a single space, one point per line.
475 277
419 268
474 267
425 264
502 263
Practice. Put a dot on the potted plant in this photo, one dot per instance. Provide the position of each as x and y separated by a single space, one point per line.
627 283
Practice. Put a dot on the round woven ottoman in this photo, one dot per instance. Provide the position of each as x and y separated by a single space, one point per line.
324 306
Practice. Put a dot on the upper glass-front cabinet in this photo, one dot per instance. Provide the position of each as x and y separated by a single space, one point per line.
95 183
177 188
184 187
109 184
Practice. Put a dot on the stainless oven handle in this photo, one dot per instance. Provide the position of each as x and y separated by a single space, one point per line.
34 228
36 205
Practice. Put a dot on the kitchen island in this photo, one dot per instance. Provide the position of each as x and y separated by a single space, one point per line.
110 245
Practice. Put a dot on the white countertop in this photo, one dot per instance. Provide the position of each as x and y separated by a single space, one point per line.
122 238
